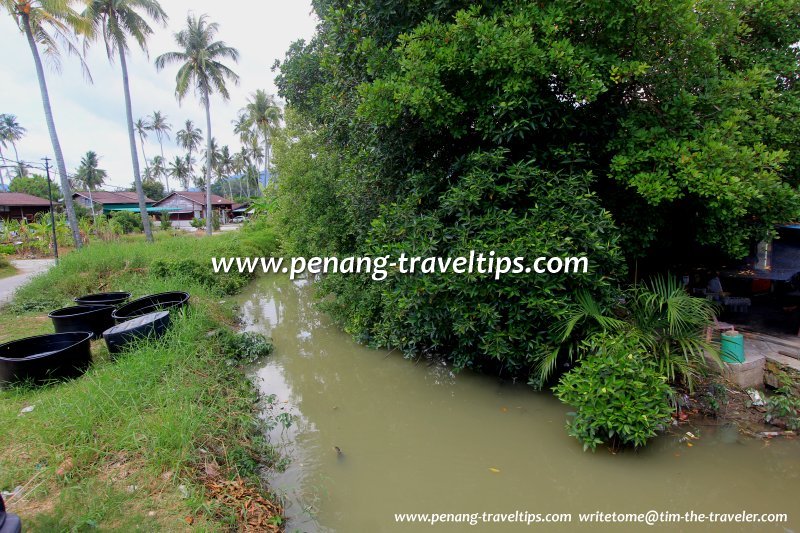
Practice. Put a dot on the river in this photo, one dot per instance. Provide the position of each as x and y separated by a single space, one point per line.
416 438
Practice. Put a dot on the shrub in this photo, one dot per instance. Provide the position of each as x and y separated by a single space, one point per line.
243 348
224 283
618 393
480 321
166 223
7 249
200 223
127 221
4 261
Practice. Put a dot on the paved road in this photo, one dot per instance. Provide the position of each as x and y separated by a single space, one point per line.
27 268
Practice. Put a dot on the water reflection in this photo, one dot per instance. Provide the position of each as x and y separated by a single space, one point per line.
415 437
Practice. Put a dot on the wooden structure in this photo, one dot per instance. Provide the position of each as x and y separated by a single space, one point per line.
183 206
18 206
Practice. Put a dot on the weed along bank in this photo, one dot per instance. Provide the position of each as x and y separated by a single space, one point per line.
400 266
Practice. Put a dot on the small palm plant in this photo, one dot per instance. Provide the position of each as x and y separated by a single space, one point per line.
668 322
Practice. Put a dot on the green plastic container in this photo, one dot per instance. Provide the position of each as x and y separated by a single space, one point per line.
732 347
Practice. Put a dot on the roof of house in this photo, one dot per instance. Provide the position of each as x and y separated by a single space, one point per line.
119 197
21 199
198 198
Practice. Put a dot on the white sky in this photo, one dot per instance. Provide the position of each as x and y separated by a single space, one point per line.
92 116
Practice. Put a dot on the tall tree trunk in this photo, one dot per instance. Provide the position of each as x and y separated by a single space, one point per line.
266 156
8 172
191 168
91 201
137 179
209 214
166 176
51 127
144 156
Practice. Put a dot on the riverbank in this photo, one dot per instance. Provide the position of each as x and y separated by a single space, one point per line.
165 437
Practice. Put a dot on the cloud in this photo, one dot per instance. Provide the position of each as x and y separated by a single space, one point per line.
92 116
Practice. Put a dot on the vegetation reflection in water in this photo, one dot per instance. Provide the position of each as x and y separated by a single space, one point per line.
416 438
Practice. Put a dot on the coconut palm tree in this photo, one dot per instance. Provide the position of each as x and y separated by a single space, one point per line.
189 139
179 169
160 126
158 168
118 21
10 133
48 23
225 167
90 175
201 69
263 114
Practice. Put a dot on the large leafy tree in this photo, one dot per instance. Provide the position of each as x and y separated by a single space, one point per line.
10 133
118 22
34 185
202 69
679 117
52 25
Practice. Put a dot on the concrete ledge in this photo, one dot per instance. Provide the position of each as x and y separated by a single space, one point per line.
748 374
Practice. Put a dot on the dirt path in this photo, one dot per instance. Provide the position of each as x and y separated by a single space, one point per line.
27 268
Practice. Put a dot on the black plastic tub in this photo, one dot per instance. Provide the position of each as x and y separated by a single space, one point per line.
103 298
151 325
45 357
163 301
94 318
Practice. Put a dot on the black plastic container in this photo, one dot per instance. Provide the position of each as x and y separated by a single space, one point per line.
45 357
103 298
9 522
152 325
94 318
163 301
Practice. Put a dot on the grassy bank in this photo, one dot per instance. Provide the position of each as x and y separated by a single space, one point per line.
163 437
6 269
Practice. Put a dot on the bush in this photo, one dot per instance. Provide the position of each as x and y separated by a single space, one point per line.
128 221
619 396
202 273
481 321
166 223
4 261
200 223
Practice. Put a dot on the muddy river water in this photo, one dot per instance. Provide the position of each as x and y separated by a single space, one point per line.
416 438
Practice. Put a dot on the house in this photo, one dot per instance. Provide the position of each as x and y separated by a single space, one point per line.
18 206
184 206
110 201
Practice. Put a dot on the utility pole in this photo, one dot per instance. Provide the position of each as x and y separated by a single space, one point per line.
52 213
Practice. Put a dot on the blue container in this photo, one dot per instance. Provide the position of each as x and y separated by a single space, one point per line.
732 347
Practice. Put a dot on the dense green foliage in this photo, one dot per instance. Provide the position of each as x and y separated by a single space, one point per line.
514 210
685 113
658 128
127 221
34 185
619 395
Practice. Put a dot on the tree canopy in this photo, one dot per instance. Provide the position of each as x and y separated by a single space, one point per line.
620 131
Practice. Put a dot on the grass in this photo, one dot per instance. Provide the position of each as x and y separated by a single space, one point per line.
128 445
6 268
